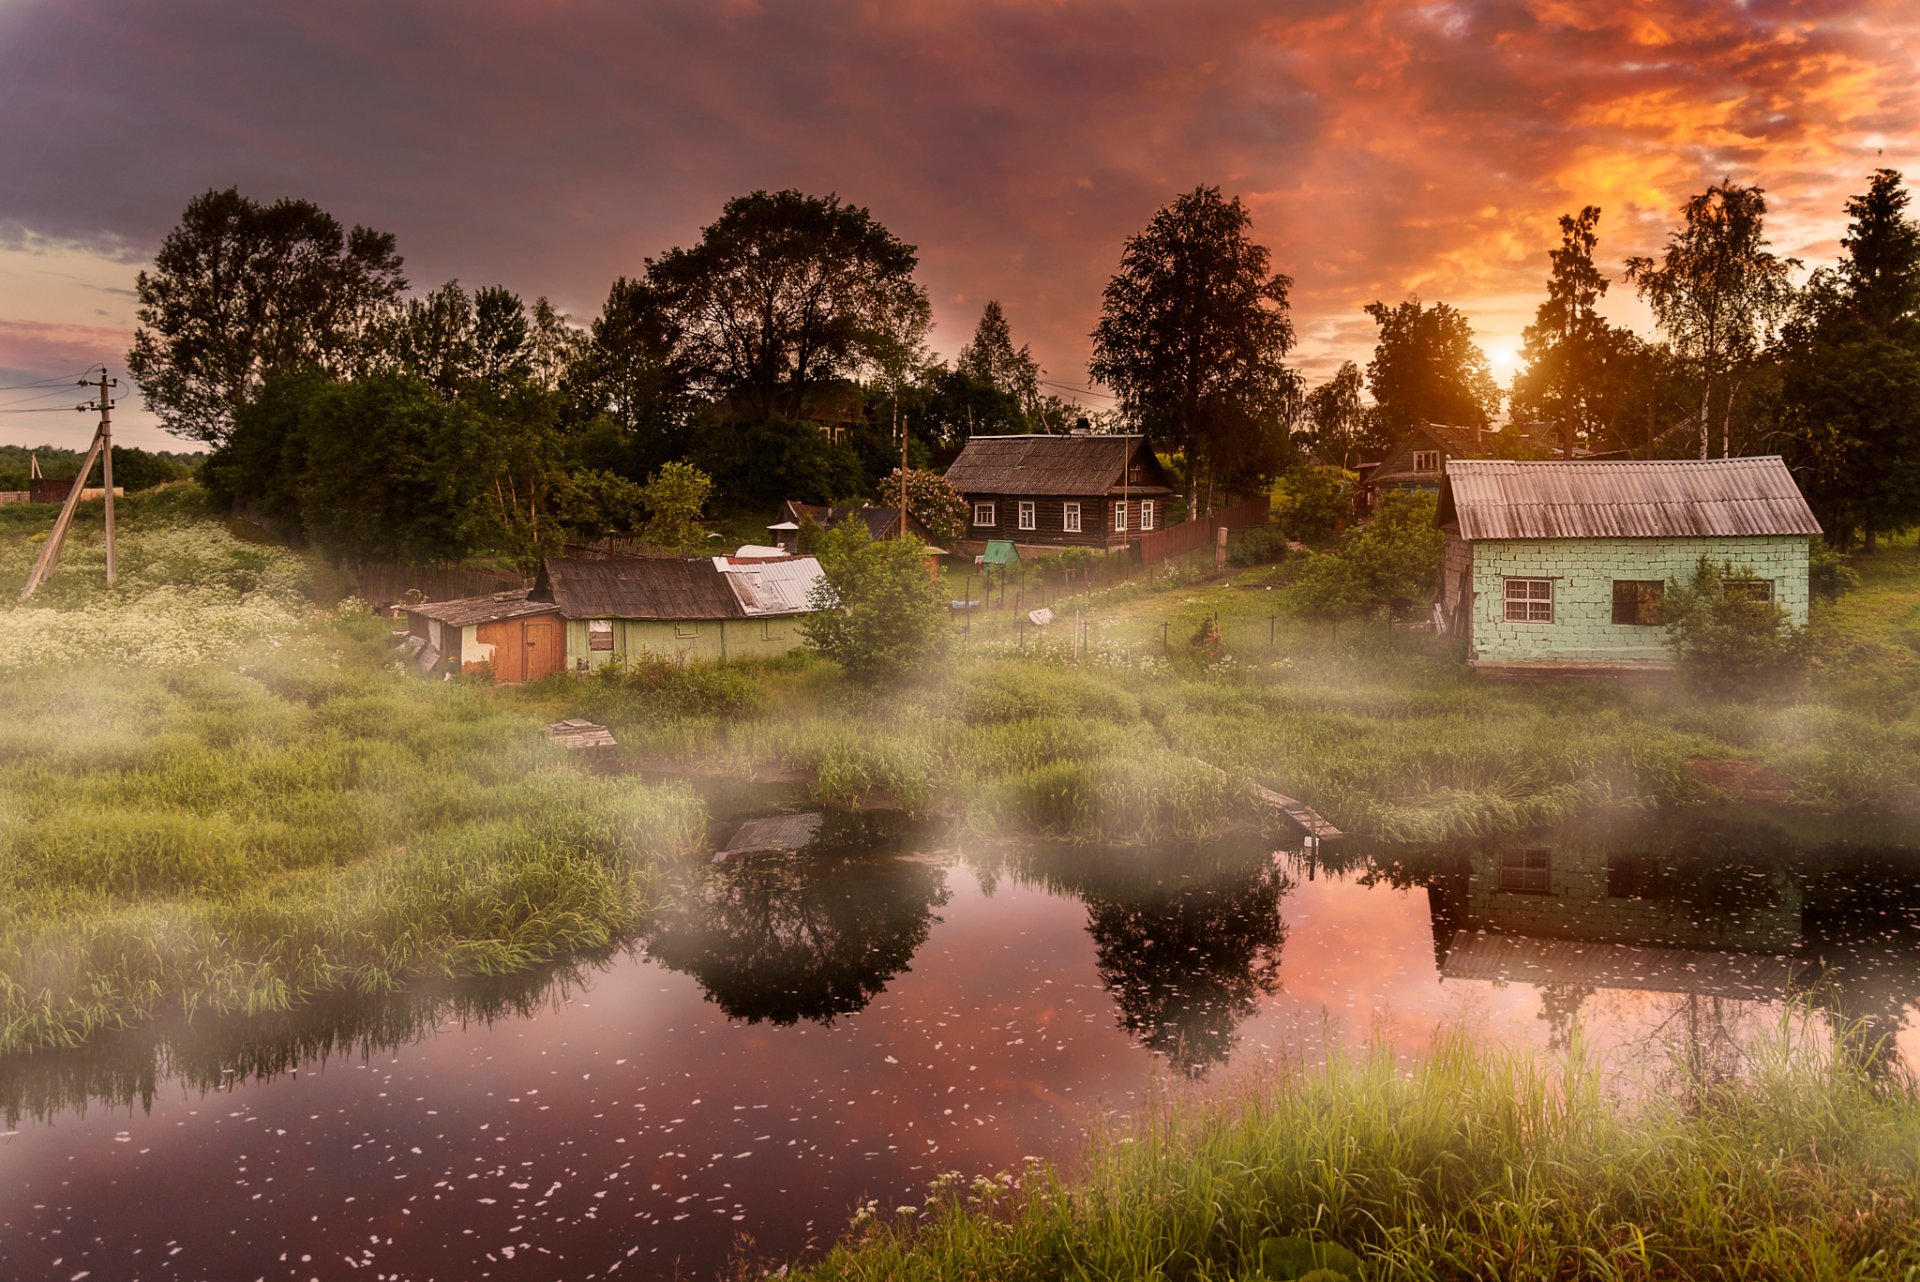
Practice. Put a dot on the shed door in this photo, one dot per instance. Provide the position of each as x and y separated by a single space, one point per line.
509 654
543 649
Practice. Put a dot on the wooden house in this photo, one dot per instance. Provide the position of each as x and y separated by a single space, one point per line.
1044 493
1419 461
580 615
881 522
1560 564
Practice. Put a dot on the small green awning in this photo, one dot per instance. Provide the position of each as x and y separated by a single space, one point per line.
1001 552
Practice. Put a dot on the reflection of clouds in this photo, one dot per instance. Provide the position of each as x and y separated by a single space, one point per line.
1383 149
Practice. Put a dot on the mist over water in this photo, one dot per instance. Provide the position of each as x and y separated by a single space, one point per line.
796 1033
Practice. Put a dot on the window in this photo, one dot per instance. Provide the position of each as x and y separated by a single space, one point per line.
1146 514
1119 516
1026 516
1751 589
1070 518
1524 872
1529 600
685 631
1629 876
1637 601
599 634
983 514
1426 460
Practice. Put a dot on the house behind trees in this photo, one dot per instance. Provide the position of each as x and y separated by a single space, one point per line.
1044 493
1563 564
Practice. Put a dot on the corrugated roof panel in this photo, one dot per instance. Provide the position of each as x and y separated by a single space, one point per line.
1664 498
766 588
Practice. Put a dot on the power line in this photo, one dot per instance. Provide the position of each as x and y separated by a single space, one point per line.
1084 391
63 381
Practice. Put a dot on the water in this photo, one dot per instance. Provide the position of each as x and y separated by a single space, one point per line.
799 1032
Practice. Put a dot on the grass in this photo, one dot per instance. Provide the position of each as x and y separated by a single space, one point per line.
295 819
1470 1165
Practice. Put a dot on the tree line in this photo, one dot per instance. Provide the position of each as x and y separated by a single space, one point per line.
784 354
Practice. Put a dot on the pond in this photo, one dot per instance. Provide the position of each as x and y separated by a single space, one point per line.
839 1008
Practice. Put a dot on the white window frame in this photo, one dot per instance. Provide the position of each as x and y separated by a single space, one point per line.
1146 514
1433 455
1027 519
1120 516
1070 518
991 517
1534 600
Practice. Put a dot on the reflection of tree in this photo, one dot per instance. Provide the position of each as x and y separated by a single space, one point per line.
1862 926
1187 942
790 937
1560 1009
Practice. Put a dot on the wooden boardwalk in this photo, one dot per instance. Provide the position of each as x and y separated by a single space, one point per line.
1309 820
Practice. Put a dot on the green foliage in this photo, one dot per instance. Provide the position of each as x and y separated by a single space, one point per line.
1191 335
1426 367
1315 500
1341 429
674 497
1567 347
880 612
806 540
240 290
1392 561
1727 637
931 500
1828 572
1003 383
764 463
1261 545
133 469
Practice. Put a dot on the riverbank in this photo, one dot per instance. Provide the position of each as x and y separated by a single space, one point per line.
1471 1165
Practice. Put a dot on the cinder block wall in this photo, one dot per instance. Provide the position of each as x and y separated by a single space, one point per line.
1584 570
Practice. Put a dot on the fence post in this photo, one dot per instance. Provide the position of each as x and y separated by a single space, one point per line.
1272 621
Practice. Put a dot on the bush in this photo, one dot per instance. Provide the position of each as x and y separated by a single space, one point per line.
881 610
1728 638
1315 499
1393 560
1258 546
1828 572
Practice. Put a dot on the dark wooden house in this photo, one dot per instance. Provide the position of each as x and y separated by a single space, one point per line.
1043 493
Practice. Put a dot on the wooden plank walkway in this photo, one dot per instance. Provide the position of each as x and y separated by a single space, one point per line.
1309 820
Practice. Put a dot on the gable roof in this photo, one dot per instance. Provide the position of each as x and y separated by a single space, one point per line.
1052 465
702 588
1663 498
1454 442
879 520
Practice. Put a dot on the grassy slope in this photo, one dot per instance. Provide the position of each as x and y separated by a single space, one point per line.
1470 1166
218 797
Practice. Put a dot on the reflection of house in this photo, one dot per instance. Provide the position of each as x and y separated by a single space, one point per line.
1048 492
881 522
580 615
1559 564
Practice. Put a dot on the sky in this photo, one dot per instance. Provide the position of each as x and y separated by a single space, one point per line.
1384 149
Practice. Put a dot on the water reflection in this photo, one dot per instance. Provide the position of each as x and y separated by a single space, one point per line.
805 917
1187 945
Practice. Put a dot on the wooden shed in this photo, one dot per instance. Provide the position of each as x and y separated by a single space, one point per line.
1561 564
517 638
1045 493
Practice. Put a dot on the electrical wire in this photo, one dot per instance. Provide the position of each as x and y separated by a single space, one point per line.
68 381
1084 391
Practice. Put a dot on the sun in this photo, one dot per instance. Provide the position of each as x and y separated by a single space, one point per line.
1503 358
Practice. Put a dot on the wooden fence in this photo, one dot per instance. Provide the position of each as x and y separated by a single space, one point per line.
1190 536
381 583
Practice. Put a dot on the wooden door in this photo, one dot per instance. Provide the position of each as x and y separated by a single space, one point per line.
509 649
544 653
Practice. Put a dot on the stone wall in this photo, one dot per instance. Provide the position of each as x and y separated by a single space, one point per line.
1583 572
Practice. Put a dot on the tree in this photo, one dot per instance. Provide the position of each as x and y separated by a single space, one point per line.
931 500
239 290
1567 346
1716 292
1881 269
879 611
1340 428
1728 637
1001 384
787 290
1191 336
1317 499
631 370
1391 562
460 343
674 497
1427 368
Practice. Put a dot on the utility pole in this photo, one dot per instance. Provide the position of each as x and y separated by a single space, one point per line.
102 440
903 478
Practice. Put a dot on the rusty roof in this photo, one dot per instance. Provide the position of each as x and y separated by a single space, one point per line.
1052 465
481 609
633 588
1593 499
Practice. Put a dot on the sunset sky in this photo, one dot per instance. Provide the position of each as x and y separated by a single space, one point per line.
1384 148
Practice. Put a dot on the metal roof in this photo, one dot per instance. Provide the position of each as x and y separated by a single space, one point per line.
771 587
633 588
481 609
1591 499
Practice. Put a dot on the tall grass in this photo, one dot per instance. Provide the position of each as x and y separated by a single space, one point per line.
1470 1165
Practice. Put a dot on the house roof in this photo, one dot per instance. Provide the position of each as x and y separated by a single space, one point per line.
1454 442
879 520
1595 964
702 588
1049 465
481 609
1587 499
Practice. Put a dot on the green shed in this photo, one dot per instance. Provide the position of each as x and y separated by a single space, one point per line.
1560 564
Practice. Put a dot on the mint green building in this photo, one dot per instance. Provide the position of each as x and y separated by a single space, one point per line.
1562 563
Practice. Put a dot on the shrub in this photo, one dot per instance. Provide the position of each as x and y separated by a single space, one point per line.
1257 546
880 611
931 500
1394 559
1315 499
673 498
1727 638
1828 572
